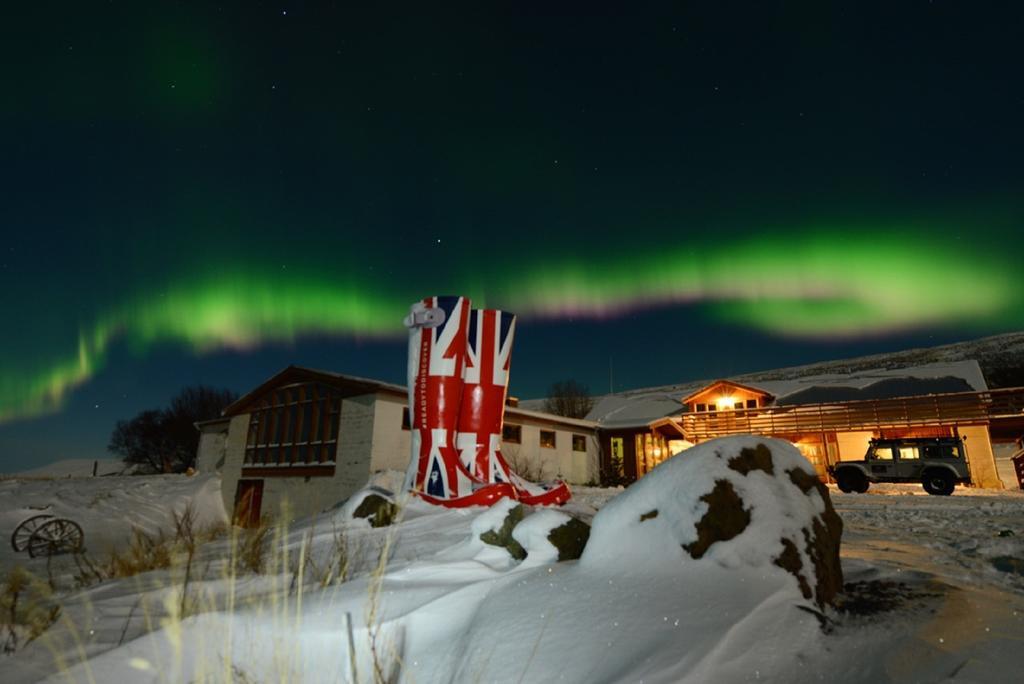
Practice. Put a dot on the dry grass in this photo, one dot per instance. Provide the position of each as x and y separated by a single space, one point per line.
146 552
249 548
522 466
27 609
213 580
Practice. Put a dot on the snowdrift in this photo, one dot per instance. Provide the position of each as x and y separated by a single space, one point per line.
655 597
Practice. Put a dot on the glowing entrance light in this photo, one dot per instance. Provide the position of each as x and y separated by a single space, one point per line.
725 403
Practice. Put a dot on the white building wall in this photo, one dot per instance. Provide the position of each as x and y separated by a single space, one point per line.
1004 464
853 445
234 454
391 444
371 439
979 456
355 441
212 451
295 497
543 463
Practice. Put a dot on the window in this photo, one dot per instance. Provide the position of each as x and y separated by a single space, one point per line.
712 407
547 439
512 434
738 406
882 454
294 425
941 451
908 453
579 442
406 423
701 407
751 403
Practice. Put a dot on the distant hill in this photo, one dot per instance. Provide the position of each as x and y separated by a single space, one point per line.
1001 358
77 467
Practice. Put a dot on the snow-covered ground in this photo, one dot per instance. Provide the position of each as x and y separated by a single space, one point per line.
107 508
937 595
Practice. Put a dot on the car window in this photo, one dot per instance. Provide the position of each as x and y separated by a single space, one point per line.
908 453
950 451
882 454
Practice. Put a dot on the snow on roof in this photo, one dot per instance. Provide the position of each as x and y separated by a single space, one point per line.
622 411
636 408
884 383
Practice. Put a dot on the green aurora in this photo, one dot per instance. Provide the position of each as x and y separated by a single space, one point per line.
811 284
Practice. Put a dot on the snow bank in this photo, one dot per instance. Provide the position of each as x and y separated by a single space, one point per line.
452 608
108 508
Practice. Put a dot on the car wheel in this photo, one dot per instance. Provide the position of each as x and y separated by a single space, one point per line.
849 480
938 483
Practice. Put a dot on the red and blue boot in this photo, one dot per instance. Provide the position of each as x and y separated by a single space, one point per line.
437 354
488 357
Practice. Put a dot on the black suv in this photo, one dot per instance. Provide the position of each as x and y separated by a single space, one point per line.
938 463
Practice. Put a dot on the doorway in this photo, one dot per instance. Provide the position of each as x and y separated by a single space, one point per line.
248 500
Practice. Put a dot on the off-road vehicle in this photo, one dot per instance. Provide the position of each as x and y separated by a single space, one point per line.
938 463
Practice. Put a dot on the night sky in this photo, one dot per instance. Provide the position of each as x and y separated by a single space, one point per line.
208 192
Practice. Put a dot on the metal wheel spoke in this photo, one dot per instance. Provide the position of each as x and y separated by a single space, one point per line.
23 532
55 536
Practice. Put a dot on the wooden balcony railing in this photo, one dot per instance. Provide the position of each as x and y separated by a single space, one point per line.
871 414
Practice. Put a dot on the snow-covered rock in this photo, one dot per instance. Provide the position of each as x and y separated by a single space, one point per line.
495 526
373 505
549 536
736 502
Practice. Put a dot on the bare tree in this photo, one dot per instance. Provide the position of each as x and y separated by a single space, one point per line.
141 440
166 440
569 398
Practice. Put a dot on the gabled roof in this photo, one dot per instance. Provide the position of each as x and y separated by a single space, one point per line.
731 383
349 385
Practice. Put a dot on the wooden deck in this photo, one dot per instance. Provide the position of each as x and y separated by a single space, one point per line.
994 407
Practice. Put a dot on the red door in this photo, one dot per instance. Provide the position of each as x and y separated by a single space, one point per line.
248 499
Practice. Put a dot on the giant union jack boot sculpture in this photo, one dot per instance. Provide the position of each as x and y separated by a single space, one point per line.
437 355
488 355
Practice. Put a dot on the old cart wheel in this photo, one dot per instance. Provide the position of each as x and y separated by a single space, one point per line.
59 535
20 537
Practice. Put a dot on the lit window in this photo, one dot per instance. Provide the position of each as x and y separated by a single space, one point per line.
547 439
908 453
882 454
